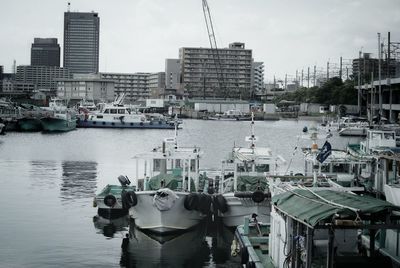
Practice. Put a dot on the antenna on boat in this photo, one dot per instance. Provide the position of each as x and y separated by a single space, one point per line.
176 131
252 138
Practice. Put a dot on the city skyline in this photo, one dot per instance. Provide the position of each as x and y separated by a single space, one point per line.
137 36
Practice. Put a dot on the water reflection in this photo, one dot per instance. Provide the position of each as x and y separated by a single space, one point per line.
109 227
189 249
44 174
78 179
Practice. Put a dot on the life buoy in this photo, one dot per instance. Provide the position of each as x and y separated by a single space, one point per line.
220 204
110 200
129 199
258 196
191 201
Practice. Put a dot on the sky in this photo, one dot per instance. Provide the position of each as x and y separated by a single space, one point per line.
138 35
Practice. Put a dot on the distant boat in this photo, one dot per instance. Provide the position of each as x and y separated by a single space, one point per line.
63 119
121 116
231 115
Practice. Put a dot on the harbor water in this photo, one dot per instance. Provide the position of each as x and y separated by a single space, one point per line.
48 182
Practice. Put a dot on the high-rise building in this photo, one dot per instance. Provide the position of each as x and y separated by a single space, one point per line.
133 85
172 74
81 42
257 78
41 77
45 52
225 72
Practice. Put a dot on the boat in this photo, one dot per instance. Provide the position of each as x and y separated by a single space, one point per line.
61 121
114 200
251 242
149 249
112 116
118 115
243 189
319 227
63 118
30 117
231 115
168 199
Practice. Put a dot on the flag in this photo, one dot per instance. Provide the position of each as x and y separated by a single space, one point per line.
326 151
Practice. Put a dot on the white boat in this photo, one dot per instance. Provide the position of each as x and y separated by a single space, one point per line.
168 200
245 192
231 115
120 116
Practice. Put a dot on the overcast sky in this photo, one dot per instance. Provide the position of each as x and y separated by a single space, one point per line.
138 35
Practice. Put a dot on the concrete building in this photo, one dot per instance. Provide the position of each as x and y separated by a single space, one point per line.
220 106
199 77
45 52
90 87
172 74
156 84
81 42
135 86
257 78
42 77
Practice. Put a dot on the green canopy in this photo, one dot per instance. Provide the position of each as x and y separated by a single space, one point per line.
305 206
251 183
171 181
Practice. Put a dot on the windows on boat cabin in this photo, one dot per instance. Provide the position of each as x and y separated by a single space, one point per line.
250 167
117 111
173 165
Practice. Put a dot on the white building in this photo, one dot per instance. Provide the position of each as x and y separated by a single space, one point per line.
91 87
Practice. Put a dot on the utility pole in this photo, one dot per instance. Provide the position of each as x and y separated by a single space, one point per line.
285 82
297 81
388 80
359 84
379 75
327 71
315 75
308 77
340 70
302 76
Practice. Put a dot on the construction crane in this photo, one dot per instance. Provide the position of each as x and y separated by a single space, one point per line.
214 48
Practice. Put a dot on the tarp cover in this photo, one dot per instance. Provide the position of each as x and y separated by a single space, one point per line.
306 207
171 181
250 183
164 199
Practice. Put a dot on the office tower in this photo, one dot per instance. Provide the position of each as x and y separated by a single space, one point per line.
45 52
81 42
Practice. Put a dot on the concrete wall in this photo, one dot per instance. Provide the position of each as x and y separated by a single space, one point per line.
222 107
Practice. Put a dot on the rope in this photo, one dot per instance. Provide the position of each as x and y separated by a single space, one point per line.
294 152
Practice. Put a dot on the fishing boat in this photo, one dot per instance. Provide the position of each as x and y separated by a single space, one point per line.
231 115
114 200
244 188
30 117
169 200
63 118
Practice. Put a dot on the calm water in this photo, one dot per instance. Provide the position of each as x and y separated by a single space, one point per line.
48 182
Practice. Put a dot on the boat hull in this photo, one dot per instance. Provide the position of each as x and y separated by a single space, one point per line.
353 131
239 208
119 124
29 124
148 217
221 118
51 124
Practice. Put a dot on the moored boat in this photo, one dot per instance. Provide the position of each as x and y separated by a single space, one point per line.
169 200
231 115
59 122
244 188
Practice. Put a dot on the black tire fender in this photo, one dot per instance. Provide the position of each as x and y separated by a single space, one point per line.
191 201
220 203
258 196
110 200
